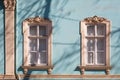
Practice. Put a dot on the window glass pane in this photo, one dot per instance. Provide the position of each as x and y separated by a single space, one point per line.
100 29
42 45
90 57
90 44
43 58
42 50
90 30
33 30
33 58
100 58
42 30
33 44
100 44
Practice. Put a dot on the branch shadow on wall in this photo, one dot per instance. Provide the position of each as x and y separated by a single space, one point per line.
47 10
74 50
115 50
37 13
1 4
70 56
73 46
2 44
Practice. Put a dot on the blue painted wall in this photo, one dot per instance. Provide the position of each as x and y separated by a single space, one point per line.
1 38
65 16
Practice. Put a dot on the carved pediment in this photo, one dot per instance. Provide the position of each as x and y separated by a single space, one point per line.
95 19
37 20
9 4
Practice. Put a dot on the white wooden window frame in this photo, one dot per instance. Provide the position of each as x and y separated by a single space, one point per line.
83 28
38 37
37 21
95 37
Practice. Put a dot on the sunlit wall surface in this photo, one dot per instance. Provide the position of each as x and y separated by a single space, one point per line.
1 38
65 16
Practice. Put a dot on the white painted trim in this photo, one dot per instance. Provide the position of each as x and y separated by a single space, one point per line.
39 22
94 20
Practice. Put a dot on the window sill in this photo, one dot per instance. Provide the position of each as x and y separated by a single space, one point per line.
95 67
43 67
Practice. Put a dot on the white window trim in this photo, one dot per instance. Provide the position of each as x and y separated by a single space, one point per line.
83 66
26 25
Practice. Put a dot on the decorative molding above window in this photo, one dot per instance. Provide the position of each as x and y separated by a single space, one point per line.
95 19
9 4
37 20
95 44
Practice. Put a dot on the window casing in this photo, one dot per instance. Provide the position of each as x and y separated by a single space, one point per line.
95 44
37 42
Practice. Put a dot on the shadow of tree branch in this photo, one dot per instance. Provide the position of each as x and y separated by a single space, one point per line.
1 4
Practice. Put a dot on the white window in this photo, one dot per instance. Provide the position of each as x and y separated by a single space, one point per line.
37 44
95 44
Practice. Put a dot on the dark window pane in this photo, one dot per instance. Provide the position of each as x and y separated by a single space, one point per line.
42 50
33 58
42 30
90 30
101 29
33 44
90 44
90 57
100 58
33 30
43 58
42 45
100 44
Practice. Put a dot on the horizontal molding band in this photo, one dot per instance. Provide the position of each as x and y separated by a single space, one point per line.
37 67
61 76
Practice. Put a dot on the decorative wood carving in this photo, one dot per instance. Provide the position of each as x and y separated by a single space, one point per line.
25 71
107 71
37 20
9 4
82 71
49 71
95 19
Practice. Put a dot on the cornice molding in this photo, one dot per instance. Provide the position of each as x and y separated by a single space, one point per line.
9 5
37 20
38 76
95 19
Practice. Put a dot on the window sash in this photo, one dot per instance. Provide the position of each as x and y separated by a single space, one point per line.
38 57
38 30
95 35
95 30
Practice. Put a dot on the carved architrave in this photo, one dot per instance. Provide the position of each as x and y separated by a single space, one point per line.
94 19
37 20
9 4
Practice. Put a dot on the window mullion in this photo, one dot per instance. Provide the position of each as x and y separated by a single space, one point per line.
38 44
95 54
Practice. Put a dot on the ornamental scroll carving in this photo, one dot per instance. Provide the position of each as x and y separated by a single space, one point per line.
95 19
9 4
37 20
